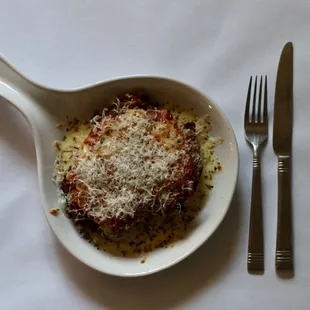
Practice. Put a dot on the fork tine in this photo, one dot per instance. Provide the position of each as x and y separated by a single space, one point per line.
259 109
248 100
254 101
265 102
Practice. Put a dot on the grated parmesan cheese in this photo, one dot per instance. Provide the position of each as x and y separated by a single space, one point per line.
129 164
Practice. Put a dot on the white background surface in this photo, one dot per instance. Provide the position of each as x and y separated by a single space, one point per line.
212 45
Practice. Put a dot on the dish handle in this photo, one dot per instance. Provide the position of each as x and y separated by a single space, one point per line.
17 90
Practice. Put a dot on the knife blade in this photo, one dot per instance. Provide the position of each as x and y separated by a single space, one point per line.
282 144
283 106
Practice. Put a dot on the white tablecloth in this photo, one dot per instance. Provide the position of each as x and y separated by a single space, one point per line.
214 45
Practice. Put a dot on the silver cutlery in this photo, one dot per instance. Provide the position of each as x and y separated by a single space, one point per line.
256 133
282 144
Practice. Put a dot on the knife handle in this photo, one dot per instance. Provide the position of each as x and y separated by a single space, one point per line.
284 248
256 238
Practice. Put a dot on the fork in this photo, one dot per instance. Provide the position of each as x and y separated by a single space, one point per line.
256 134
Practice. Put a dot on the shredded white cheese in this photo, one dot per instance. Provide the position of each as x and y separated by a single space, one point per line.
127 165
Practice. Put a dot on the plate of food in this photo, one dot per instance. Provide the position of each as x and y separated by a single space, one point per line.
135 173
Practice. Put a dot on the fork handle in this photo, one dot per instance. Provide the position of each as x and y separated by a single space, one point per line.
284 248
256 238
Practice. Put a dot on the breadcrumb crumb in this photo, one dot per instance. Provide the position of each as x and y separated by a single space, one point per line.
54 211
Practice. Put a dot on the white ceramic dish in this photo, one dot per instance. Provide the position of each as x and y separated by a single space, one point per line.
43 108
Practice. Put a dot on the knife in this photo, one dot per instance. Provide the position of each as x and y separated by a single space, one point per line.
282 145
